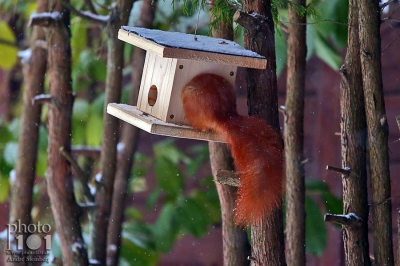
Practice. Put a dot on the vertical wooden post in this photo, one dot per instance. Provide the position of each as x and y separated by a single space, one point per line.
370 53
294 139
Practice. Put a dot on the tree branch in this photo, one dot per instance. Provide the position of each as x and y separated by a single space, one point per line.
45 19
347 220
91 6
85 151
250 21
41 99
226 177
79 174
100 19
344 171
13 44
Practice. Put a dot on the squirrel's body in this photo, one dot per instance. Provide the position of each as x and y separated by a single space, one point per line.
210 104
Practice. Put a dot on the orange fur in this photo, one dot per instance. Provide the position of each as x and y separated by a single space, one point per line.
210 104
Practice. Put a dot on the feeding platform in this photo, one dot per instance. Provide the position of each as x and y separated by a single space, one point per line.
172 60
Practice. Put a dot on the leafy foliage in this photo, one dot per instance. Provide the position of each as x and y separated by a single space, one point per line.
317 193
8 49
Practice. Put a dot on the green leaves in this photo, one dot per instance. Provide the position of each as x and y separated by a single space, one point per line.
88 69
326 52
8 49
280 48
183 211
166 228
316 235
168 177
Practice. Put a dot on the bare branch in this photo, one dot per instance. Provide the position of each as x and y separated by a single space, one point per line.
249 21
91 6
87 14
85 151
79 174
347 220
385 5
41 99
344 171
6 42
229 178
398 121
45 19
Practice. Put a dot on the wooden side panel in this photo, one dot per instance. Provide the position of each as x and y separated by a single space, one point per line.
157 72
185 71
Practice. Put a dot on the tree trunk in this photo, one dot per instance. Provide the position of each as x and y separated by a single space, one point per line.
294 139
353 139
119 15
34 72
59 177
370 53
235 247
235 244
130 138
267 237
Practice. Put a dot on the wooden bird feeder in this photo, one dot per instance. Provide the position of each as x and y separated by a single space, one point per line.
172 60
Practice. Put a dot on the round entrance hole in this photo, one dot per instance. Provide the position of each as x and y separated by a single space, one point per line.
152 97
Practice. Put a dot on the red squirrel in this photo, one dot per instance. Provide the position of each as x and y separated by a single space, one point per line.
209 103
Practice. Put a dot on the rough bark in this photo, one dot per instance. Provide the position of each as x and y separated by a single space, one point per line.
234 239
235 246
370 54
119 15
353 141
59 178
398 237
267 237
294 139
130 138
34 72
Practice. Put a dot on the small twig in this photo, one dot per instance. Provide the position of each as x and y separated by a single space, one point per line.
91 6
41 44
89 205
282 109
383 201
389 19
86 14
385 5
251 22
229 178
86 151
344 171
347 220
13 44
79 174
316 22
45 19
398 121
390 43
41 99
304 161
251 258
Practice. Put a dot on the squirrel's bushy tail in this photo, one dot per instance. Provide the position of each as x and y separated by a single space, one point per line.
209 102
257 152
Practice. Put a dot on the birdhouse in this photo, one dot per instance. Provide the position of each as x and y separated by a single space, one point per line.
172 60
